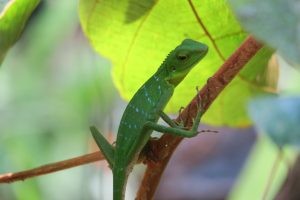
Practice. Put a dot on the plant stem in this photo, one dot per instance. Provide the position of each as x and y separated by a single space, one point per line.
50 168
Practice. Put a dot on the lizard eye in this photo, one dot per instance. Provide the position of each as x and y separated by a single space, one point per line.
182 57
173 68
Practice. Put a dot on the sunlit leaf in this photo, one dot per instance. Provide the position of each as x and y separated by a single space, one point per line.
13 17
275 22
137 35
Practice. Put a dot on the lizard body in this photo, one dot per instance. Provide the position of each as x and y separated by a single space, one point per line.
144 110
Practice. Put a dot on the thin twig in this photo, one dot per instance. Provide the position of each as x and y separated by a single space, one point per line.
163 148
50 168
272 175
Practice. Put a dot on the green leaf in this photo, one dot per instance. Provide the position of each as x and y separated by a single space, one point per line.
275 22
13 17
278 117
137 35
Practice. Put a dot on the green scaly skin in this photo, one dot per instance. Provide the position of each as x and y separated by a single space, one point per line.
143 111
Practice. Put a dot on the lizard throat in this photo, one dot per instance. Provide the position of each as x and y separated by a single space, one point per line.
176 81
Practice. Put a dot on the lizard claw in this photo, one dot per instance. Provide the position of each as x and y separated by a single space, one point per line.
197 89
180 123
180 109
199 100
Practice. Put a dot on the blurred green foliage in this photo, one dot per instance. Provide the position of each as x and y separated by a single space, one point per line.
53 87
2 4
275 22
279 118
263 173
13 17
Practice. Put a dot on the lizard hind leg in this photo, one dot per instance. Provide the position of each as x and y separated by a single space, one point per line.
106 148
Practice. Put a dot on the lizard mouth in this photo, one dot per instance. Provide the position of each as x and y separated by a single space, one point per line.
175 80
201 53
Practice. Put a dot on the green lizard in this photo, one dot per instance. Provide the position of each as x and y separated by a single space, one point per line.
140 117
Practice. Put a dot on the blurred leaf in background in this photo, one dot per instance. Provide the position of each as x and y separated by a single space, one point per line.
275 22
279 118
263 173
13 17
137 36
2 4
52 88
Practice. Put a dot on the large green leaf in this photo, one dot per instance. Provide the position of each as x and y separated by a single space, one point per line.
275 22
13 16
136 35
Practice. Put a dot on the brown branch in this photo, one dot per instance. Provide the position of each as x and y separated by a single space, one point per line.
50 168
163 148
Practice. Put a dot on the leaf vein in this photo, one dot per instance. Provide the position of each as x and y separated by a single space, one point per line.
136 33
206 30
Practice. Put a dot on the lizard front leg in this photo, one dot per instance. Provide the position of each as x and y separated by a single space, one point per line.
174 130
169 121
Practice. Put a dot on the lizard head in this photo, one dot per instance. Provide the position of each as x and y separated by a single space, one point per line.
182 59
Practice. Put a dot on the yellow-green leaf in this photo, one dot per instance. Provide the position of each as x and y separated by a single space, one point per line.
136 35
13 17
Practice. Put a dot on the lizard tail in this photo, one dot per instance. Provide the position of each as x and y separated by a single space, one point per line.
119 183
